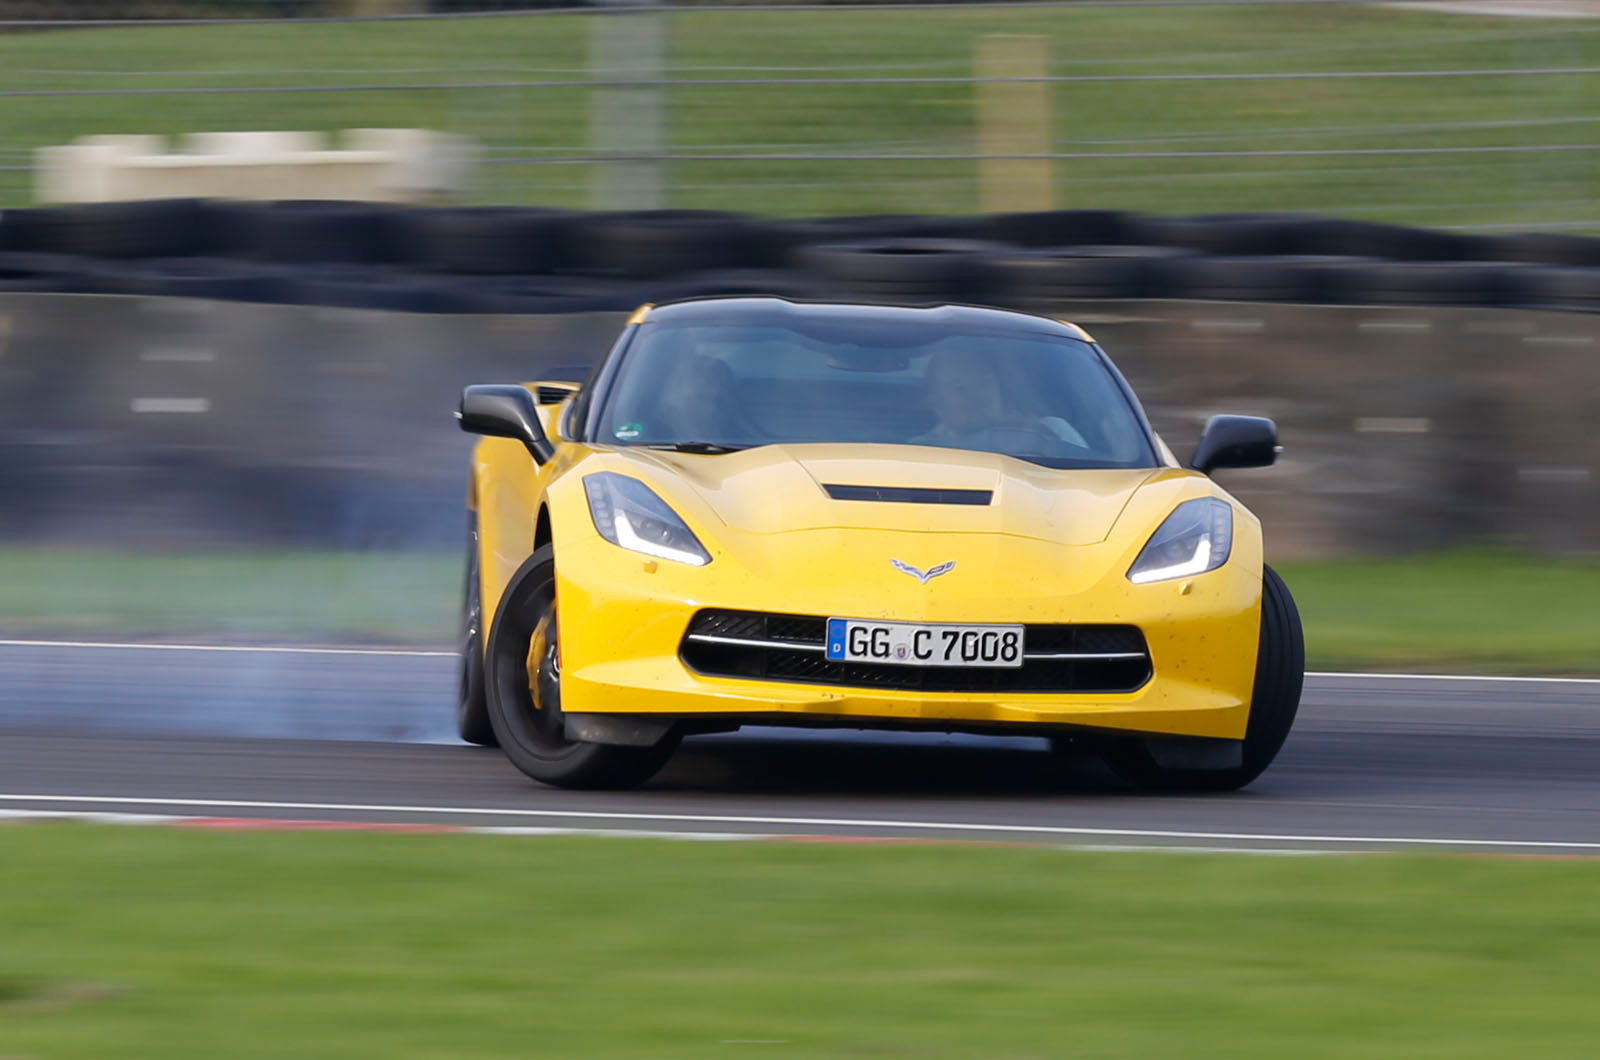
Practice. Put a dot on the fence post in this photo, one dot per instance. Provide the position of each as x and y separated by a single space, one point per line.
626 121
1013 119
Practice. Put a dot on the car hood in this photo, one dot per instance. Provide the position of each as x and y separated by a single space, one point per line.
777 488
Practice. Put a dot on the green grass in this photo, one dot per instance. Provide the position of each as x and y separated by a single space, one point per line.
1474 612
1467 611
366 597
1514 188
164 944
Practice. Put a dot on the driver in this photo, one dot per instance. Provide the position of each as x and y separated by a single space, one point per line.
970 405
699 401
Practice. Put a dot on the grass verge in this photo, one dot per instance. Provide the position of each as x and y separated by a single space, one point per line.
410 74
168 944
1465 611
1459 612
348 597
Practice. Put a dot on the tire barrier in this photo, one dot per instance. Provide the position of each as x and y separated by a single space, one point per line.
493 240
162 228
26 231
1571 289
315 232
30 271
813 231
1443 283
1543 248
1228 235
1037 278
221 279
651 244
533 260
903 270
1308 279
1060 228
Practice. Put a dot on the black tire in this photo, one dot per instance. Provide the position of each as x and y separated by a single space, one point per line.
1058 228
648 244
1286 278
472 707
220 279
1543 248
531 730
491 240
313 231
903 270
158 228
1058 274
1280 671
1443 283
28 272
790 236
1576 290
36 230
1368 239
1224 235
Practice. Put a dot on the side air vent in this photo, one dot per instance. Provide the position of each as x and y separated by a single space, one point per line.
553 393
908 494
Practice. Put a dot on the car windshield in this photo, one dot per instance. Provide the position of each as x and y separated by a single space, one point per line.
712 387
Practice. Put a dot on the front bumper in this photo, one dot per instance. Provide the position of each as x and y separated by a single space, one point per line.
623 618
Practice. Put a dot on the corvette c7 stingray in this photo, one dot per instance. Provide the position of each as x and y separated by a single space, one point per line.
759 511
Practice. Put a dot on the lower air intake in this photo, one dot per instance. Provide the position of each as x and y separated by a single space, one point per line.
780 647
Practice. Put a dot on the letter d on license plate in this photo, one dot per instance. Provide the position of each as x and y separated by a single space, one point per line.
923 644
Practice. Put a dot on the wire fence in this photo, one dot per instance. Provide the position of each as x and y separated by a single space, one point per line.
1396 111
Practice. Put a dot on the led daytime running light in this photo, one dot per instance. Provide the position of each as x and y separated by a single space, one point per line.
1197 537
630 515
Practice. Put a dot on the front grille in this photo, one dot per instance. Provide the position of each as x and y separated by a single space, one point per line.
779 647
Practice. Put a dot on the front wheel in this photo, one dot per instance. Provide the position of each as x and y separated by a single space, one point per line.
525 706
1280 671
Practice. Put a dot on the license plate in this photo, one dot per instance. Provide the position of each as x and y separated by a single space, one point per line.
923 644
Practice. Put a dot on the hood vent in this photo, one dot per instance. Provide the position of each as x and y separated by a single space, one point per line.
908 494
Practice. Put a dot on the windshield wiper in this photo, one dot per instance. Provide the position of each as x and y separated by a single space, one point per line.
699 447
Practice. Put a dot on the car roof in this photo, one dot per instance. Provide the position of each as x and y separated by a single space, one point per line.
769 310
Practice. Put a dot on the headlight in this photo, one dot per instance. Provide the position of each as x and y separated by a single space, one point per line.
1196 537
627 513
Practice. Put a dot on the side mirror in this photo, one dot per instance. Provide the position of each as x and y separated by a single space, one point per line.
1236 441
503 410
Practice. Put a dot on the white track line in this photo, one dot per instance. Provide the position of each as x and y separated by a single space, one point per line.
287 649
814 822
1455 677
539 831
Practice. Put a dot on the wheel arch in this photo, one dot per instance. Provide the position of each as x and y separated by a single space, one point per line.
503 489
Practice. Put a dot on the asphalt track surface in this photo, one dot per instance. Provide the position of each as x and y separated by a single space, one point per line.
1429 764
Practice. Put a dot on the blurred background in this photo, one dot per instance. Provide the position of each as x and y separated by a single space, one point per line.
1476 115
250 251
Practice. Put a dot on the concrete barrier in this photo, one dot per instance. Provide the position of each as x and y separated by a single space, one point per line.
173 422
375 165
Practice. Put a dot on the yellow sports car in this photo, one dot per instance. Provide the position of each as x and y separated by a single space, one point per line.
766 512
